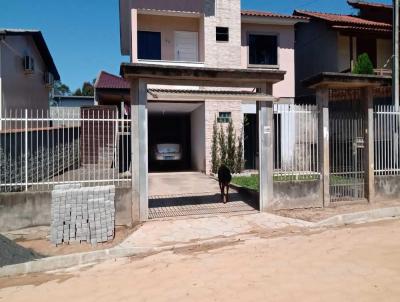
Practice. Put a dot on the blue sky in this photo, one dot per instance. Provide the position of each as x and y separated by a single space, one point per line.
83 35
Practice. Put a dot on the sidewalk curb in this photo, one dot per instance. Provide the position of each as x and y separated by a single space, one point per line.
67 261
360 217
73 260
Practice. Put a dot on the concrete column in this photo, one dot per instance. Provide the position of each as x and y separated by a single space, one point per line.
396 70
265 111
134 38
369 155
139 165
1 87
323 142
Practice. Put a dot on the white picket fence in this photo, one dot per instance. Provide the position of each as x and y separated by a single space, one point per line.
39 150
296 142
387 143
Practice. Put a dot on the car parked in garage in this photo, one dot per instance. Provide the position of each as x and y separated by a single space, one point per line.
168 152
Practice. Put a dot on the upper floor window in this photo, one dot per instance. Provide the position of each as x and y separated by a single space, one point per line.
263 49
222 34
149 45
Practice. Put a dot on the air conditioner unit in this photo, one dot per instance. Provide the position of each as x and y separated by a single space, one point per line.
29 64
48 79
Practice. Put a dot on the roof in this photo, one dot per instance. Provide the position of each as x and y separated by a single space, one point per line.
366 4
107 80
336 19
333 80
74 97
364 29
201 95
253 13
205 92
40 44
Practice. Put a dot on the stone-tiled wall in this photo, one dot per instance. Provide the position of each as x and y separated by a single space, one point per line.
224 13
48 155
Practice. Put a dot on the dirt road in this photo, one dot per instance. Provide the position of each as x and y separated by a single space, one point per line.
359 263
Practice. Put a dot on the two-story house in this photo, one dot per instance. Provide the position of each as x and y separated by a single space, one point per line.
27 71
332 42
207 33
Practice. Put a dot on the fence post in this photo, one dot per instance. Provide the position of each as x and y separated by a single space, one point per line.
139 130
323 142
26 149
265 111
369 155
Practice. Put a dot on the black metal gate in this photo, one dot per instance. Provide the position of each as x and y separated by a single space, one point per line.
346 157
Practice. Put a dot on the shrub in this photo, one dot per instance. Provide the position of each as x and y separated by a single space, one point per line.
239 160
222 146
363 65
230 146
214 149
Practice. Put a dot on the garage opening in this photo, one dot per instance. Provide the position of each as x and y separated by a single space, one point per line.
169 142
178 184
176 137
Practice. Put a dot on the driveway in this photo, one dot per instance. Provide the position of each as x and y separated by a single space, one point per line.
191 193
181 183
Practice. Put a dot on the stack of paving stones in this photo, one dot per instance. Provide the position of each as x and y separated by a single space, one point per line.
82 214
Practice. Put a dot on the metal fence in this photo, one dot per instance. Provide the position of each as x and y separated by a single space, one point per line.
347 147
387 143
38 151
296 142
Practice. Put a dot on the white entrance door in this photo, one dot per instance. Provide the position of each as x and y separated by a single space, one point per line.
186 46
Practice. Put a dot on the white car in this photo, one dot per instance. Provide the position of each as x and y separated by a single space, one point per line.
168 152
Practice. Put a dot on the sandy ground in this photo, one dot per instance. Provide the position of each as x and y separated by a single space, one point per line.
44 247
318 214
358 263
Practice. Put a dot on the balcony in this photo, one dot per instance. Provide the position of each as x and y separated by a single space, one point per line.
168 38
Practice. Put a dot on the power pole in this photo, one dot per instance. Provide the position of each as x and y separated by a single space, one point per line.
396 74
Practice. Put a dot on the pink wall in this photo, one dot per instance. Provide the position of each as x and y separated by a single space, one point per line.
177 5
286 39
167 25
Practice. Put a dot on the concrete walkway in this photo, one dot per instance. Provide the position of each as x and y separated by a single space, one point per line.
180 194
182 231
181 183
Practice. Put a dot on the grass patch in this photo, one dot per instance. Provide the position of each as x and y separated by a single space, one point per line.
343 180
300 177
253 182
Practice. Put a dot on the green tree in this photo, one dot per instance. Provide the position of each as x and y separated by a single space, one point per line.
87 89
230 146
363 65
61 89
222 146
78 92
214 149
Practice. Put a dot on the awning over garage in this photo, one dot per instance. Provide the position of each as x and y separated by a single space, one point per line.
201 95
113 89
200 76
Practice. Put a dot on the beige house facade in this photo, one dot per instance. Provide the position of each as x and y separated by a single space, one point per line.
207 34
